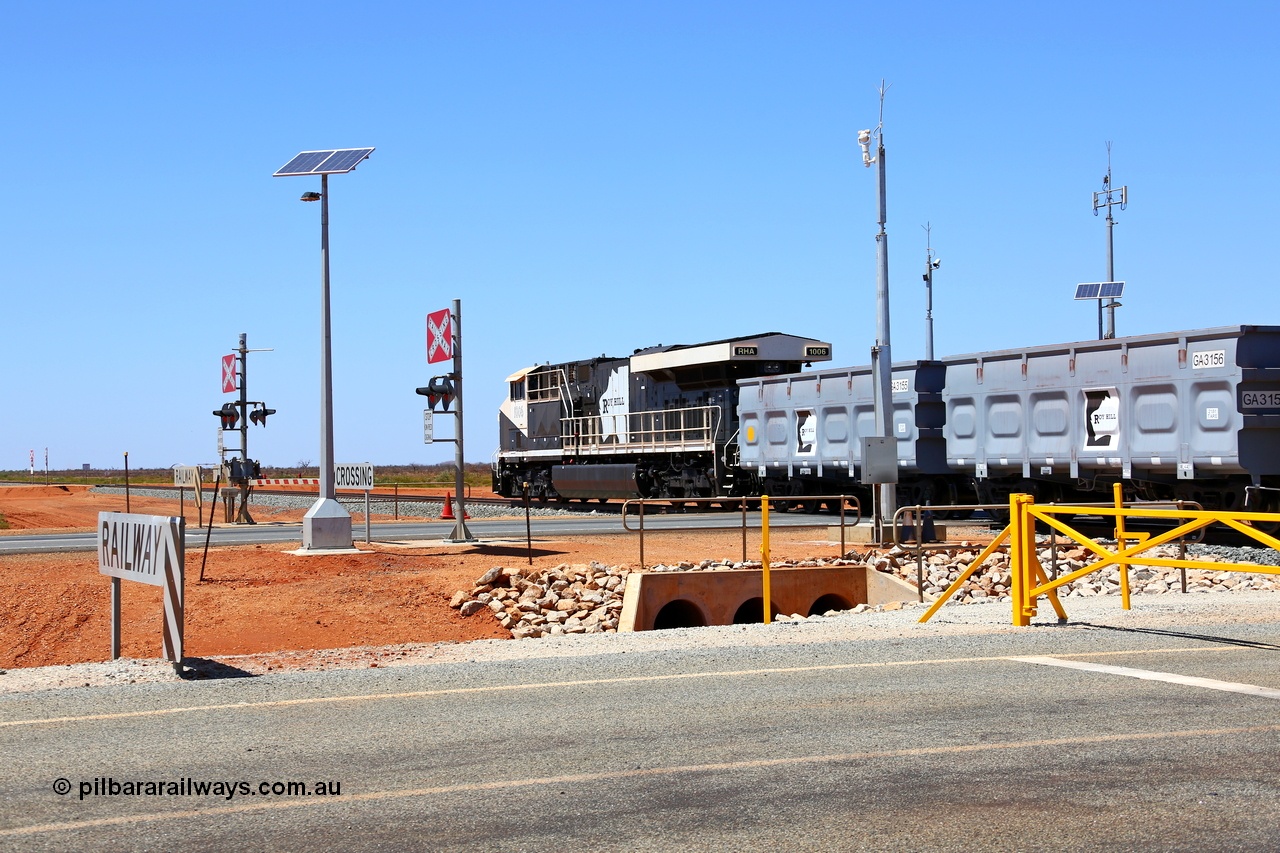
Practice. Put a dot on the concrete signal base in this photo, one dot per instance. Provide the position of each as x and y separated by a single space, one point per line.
326 526
691 599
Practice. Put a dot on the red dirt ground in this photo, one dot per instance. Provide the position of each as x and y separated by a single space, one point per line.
55 608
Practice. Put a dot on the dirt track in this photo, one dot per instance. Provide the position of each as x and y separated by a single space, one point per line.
55 609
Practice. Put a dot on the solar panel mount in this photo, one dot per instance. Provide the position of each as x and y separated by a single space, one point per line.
1100 290
330 161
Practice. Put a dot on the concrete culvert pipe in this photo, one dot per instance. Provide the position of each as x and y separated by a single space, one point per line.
680 613
751 612
830 601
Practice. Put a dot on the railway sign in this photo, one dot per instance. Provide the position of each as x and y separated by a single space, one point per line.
428 427
439 336
357 477
229 373
147 549
186 475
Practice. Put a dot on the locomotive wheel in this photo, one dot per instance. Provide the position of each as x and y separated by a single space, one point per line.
731 506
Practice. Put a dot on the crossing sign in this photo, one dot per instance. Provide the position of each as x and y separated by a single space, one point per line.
439 336
228 373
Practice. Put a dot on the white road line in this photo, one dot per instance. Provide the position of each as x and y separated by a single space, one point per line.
1151 675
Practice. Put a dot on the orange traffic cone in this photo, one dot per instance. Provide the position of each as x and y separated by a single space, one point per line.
447 514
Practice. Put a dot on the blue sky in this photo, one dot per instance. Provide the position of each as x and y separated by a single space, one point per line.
589 178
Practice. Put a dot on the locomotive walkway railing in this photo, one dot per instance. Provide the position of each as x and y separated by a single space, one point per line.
680 430
1028 579
741 504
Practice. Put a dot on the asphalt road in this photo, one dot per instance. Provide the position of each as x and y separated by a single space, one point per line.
514 528
828 741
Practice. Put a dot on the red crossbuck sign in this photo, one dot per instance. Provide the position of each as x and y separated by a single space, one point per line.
439 336
228 373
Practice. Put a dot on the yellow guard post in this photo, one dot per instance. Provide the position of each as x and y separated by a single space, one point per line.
764 552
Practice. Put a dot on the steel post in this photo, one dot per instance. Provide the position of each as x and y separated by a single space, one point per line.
884 363
460 532
327 525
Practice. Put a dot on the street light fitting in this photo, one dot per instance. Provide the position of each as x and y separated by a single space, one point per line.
310 197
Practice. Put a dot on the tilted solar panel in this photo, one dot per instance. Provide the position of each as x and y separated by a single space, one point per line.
328 162
344 160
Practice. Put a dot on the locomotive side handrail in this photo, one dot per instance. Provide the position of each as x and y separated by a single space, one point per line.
743 502
682 430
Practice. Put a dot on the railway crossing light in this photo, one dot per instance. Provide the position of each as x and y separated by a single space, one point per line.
229 415
259 415
438 391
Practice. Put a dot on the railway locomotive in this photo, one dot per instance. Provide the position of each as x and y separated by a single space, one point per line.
661 423
1189 415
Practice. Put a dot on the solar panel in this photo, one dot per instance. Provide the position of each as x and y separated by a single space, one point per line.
329 162
1112 290
1088 290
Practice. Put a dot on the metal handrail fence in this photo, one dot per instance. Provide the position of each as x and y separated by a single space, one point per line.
1028 579
919 512
743 506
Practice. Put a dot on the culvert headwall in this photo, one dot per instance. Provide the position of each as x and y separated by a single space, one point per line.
656 600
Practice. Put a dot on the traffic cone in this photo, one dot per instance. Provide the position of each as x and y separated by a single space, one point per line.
447 514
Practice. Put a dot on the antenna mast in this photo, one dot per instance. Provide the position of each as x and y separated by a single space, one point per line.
930 264
881 357
1106 199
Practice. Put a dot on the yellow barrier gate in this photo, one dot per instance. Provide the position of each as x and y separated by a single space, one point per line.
1027 578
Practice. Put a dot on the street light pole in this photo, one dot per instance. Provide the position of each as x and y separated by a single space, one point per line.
327 525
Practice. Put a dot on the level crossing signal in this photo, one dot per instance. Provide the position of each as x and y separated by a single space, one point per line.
259 415
439 391
230 416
